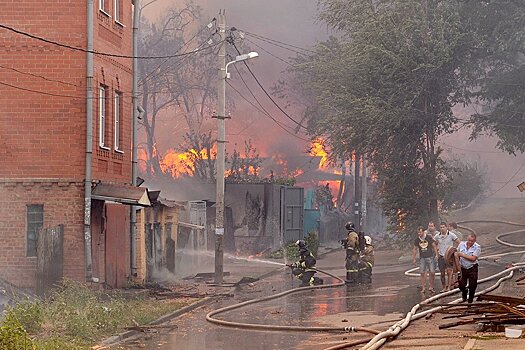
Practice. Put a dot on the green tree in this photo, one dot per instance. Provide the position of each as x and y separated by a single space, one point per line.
386 87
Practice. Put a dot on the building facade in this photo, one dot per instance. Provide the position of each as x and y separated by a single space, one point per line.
44 153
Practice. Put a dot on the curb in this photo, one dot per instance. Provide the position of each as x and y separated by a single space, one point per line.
114 340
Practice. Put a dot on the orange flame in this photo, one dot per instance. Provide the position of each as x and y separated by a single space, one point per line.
181 163
317 149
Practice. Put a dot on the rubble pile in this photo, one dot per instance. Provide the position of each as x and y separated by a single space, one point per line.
491 312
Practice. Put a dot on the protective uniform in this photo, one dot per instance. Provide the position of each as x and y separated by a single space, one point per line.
351 245
304 268
366 262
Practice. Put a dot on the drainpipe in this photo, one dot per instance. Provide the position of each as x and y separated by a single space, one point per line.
135 111
89 144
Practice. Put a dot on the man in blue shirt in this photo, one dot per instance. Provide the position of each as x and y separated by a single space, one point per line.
468 253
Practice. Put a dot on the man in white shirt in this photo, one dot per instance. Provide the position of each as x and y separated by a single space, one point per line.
445 239
468 253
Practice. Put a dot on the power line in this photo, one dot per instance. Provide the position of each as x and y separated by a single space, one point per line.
39 76
469 150
266 92
268 115
17 31
41 92
508 181
256 99
186 43
276 42
269 53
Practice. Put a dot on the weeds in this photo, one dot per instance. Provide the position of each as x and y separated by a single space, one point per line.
75 317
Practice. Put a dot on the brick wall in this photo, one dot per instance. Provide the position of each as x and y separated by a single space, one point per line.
43 135
62 201
115 74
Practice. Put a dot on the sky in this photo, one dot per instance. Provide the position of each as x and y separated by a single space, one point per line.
294 22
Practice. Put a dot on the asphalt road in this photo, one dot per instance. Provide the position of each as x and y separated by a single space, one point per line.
378 305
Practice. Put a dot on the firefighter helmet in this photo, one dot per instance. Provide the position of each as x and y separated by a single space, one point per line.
301 244
368 240
350 226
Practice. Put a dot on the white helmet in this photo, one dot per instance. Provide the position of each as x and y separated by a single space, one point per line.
368 240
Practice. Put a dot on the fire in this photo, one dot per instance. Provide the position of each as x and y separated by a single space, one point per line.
181 163
401 226
317 149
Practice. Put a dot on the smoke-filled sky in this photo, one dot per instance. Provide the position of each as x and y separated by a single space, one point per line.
294 22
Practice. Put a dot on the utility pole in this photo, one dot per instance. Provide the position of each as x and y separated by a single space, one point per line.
364 194
221 152
357 192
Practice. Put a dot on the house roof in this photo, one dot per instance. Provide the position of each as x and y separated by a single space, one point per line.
125 194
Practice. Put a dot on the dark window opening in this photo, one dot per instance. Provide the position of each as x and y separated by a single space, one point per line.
35 222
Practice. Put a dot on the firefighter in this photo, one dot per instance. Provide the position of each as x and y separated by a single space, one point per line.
366 262
304 269
351 245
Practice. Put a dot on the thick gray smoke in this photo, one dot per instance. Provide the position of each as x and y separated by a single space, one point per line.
294 22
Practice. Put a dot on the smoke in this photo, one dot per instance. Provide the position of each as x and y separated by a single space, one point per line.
294 22
290 21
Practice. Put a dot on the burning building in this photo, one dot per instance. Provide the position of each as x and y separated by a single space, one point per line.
65 150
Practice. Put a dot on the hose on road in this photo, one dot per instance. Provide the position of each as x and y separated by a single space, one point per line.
210 316
394 330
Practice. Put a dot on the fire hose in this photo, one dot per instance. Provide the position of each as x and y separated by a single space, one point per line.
378 341
394 330
380 337
341 282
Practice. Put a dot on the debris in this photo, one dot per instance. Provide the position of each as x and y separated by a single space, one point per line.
499 310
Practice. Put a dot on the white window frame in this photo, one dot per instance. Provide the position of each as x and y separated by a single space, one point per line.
117 4
117 120
102 116
102 7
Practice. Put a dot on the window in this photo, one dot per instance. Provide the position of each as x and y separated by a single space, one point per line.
118 101
102 116
118 11
103 6
35 221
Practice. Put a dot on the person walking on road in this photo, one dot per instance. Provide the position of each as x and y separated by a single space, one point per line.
468 253
445 239
425 244
453 227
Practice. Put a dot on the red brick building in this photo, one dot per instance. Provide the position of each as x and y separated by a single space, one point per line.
43 138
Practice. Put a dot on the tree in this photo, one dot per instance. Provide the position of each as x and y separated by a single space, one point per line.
499 93
177 89
386 87
464 182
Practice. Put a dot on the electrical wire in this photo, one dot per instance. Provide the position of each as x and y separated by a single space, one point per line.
39 76
469 150
270 53
275 42
266 92
268 115
186 43
42 92
507 182
75 48
256 99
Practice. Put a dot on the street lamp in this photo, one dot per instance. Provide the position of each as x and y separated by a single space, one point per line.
240 58
221 141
